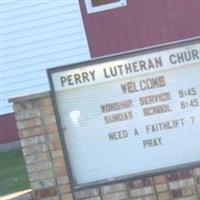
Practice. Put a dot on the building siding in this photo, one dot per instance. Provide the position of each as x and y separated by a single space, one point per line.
38 35
8 129
141 24
35 35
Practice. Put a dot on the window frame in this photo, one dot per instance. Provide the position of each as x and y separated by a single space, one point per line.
100 8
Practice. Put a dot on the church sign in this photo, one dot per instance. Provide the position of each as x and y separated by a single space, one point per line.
130 115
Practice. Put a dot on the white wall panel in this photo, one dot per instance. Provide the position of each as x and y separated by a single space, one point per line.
38 35
25 34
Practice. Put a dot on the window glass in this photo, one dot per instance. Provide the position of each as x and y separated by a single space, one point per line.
102 2
103 5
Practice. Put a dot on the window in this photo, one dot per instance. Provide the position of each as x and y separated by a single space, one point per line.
102 2
102 5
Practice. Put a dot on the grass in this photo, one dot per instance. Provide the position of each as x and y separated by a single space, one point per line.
13 176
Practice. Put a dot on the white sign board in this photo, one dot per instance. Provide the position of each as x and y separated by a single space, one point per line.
130 115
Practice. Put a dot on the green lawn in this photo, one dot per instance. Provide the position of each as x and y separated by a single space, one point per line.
13 176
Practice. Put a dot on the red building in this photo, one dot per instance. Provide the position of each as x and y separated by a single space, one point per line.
140 24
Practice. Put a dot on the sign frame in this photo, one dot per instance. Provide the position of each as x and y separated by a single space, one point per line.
142 51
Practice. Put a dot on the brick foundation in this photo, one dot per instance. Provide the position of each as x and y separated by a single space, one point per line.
48 175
